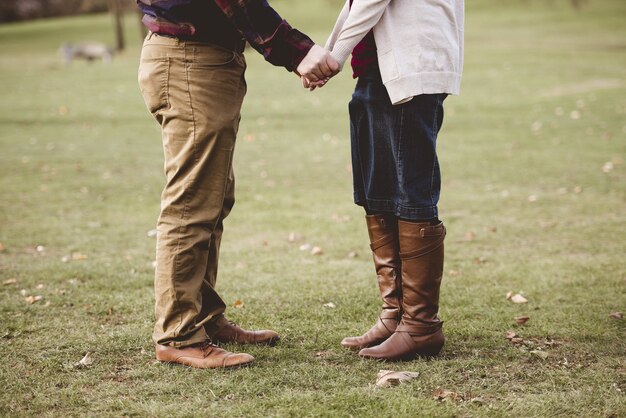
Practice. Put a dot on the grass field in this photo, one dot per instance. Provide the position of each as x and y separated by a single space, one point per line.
534 198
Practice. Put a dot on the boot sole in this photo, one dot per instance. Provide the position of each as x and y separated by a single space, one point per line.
271 342
230 367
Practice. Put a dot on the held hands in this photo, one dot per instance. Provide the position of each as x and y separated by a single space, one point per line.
317 67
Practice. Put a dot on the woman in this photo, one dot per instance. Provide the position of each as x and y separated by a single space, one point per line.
407 56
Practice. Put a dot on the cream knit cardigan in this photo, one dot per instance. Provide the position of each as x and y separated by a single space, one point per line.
419 42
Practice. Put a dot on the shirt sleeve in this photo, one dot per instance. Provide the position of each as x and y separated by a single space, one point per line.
267 32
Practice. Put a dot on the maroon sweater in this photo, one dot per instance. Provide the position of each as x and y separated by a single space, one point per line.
364 55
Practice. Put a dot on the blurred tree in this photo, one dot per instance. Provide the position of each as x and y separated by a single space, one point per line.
117 10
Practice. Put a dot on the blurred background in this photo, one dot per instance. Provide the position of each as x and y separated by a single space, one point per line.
534 199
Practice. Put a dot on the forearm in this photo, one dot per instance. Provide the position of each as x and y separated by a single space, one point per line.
363 16
267 32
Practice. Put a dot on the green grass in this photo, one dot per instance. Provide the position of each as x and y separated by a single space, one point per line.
543 109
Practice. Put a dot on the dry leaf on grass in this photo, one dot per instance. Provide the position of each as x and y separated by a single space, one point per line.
305 247
33 299
85 361
238 304
617 315
294 237
541 354
10 281
443 394
469 236
1 247
388 378
516 298
521 320
78 256
316 251
330 305
39 286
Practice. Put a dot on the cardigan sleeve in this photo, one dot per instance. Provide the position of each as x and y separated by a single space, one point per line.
362 17
343 15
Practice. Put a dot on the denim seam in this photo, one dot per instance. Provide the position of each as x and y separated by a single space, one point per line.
400 140
432 174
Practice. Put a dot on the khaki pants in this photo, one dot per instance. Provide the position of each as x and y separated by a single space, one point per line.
195 92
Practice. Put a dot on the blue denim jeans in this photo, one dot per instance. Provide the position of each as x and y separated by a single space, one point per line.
394 157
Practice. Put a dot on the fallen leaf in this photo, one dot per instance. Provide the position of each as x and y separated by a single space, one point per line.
85 361
110 311
10 281
33 299
454 273
305 247
617 315
294 237
509 295
1 247
330 305
39 286
480 260
521 320
316 251
78 256
443 394
607 167
238 304
578 189
469 236
532 198
388 378
510 335
541 354
517 298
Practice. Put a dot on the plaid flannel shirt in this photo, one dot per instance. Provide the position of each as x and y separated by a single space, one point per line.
255 20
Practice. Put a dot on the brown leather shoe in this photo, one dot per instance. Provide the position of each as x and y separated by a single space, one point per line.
419 332
202 356
383 232
232 333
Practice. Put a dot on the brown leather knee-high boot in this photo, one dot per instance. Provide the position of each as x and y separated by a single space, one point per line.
383 232
419 332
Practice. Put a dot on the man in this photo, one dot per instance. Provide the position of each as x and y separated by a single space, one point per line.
191 76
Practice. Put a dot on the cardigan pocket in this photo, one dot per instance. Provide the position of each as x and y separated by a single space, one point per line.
388 66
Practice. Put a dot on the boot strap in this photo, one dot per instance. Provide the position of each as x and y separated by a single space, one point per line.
381 242
419 329
389 314
423 250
